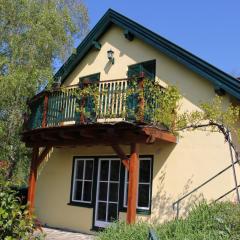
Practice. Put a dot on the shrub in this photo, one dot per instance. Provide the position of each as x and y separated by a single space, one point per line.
208 222
15 221
217 221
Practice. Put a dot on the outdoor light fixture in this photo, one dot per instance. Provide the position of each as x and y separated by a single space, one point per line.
110 56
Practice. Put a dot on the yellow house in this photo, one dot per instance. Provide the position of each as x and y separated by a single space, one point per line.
95 163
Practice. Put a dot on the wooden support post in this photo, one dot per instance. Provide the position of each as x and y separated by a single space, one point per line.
133 184
32 179
45 109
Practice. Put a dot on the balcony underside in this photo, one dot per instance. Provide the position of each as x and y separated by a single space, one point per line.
96 134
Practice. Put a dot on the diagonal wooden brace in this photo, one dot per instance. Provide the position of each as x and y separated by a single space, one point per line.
43 154
36 161
121 155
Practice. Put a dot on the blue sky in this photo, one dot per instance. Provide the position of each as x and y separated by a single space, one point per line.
209 29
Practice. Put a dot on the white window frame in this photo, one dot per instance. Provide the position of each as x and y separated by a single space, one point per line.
143 183
83 180
101 223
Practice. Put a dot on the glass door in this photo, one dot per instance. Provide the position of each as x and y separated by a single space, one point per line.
107 198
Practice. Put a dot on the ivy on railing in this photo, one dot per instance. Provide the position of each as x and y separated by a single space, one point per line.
136 99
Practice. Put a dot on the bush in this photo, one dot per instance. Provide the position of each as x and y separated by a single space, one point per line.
15 221
208 222
217 221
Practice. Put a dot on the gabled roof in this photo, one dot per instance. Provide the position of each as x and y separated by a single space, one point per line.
220 79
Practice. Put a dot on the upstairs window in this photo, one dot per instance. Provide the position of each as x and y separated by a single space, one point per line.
93 78
82 180
145 69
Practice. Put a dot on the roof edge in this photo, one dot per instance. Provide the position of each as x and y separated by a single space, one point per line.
218 77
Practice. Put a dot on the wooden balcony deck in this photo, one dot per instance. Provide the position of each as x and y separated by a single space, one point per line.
115 112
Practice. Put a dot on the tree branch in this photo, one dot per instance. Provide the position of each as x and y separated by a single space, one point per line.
225 131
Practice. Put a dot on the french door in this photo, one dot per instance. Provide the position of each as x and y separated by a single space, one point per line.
107 197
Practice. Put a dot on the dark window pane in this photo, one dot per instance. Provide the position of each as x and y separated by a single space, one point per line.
78 190
104 170
113 192
144 173
103 191
87 191
112 212
114 175
79 170
88 170
143 195
101 214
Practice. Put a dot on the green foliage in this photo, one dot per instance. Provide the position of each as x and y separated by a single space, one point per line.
216 221
123 231
210 222
161 107
167 104
15 221
33 35
213 112
213 116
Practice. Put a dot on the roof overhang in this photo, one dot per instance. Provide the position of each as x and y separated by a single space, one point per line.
219 79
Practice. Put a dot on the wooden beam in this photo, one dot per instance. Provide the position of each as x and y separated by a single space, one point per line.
151 139
43 154
121 155
32 179
66 135
47 136
87 133
96 135
133 184
159 134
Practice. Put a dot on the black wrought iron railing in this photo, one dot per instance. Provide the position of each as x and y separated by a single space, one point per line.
177 204
110 101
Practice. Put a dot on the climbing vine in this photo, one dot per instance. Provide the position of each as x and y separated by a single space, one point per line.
145 101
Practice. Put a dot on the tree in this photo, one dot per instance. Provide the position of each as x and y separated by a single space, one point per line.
33 34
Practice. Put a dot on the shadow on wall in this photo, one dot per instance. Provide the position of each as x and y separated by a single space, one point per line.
163 197
163 200
107 67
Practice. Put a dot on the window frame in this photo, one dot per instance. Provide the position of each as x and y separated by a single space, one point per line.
97 75
153 61
140 210
121 208
73 182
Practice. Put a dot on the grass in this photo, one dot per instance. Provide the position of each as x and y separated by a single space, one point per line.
218 221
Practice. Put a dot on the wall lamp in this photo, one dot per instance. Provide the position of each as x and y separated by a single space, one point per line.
110 56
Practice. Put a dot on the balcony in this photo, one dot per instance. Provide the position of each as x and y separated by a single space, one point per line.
122 109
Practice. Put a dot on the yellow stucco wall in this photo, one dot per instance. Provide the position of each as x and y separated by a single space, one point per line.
177 168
